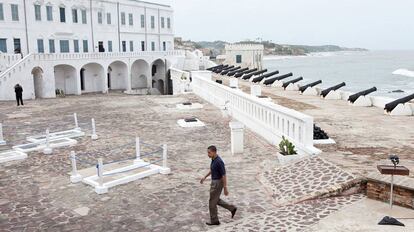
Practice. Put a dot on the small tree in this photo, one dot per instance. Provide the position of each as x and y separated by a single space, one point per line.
286 147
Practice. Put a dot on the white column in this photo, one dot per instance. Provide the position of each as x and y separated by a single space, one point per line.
75 177
75 117
100 188
237 137
256 90
164 169
137 151
129 80
94 136
78 83
47 150
2 142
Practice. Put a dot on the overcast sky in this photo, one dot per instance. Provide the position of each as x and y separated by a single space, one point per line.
373 24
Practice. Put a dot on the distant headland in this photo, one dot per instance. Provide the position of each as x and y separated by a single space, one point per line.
216 48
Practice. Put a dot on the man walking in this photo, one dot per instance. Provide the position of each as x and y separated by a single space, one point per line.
218 182
18 89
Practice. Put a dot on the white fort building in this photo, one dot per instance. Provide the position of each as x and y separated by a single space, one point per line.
83 46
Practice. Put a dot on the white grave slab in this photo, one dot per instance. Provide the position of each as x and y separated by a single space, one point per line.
185 124
38 146
56 135
324 141
193 106
2 142
12 155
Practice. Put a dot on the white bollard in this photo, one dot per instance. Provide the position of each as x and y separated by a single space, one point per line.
47 150
94 136
165 170
75 116
237 137
137 151
75 177
100 188
256 90
2 142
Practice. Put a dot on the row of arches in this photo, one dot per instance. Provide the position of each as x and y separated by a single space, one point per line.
93 77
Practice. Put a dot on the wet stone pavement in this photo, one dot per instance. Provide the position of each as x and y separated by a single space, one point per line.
36 194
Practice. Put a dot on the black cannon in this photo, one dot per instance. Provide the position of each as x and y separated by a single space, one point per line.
391 106
328 90
278 78
303 88
245 72
355 97
230 70
245 77
227 68
214 67
232 73
260 78
287 83
219 70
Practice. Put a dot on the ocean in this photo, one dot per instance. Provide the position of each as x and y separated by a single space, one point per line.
359 70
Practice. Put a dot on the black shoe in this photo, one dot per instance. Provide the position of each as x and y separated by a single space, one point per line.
233 212
212 223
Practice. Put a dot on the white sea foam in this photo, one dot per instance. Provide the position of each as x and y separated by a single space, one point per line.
404 72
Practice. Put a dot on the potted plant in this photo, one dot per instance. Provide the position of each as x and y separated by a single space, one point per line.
287 152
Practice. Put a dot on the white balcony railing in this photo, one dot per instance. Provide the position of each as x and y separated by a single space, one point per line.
269 120
106 55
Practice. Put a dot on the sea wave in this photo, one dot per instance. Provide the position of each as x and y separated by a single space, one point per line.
404 72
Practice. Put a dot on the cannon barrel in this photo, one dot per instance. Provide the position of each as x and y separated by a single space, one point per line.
260 78
336 87
354 97
218 70
232 73
390 106
214 67
245 72
303 88
287 83
219 67
229 70
270 74
278 78
245 77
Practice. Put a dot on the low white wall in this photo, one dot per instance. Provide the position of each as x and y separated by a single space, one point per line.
181 81
269 120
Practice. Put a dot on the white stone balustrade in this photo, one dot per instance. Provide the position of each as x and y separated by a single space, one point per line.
267 119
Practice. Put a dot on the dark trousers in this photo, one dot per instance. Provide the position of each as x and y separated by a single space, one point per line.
19 100
215 191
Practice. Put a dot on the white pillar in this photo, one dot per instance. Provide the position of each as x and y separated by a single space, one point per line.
256 90
75 177
164 169
137 151
94 136
75 116
47 150
78 83
237 137
2 142
234 83
100 188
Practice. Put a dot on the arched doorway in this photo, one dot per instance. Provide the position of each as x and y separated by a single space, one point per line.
38 84
65 78
93 78
139 74
158 73
117 76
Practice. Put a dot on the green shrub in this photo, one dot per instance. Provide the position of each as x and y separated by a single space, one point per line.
286 147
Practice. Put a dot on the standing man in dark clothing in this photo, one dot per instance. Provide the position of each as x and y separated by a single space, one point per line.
218 182
18 89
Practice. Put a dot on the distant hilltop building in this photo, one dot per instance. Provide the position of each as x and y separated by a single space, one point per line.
244 55
82 46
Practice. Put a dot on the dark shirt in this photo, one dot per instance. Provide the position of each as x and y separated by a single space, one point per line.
18 90
217 168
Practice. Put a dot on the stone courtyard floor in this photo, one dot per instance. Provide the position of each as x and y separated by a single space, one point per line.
36 194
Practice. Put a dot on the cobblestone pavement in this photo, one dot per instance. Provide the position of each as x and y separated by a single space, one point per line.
36 195
303 180
297 217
